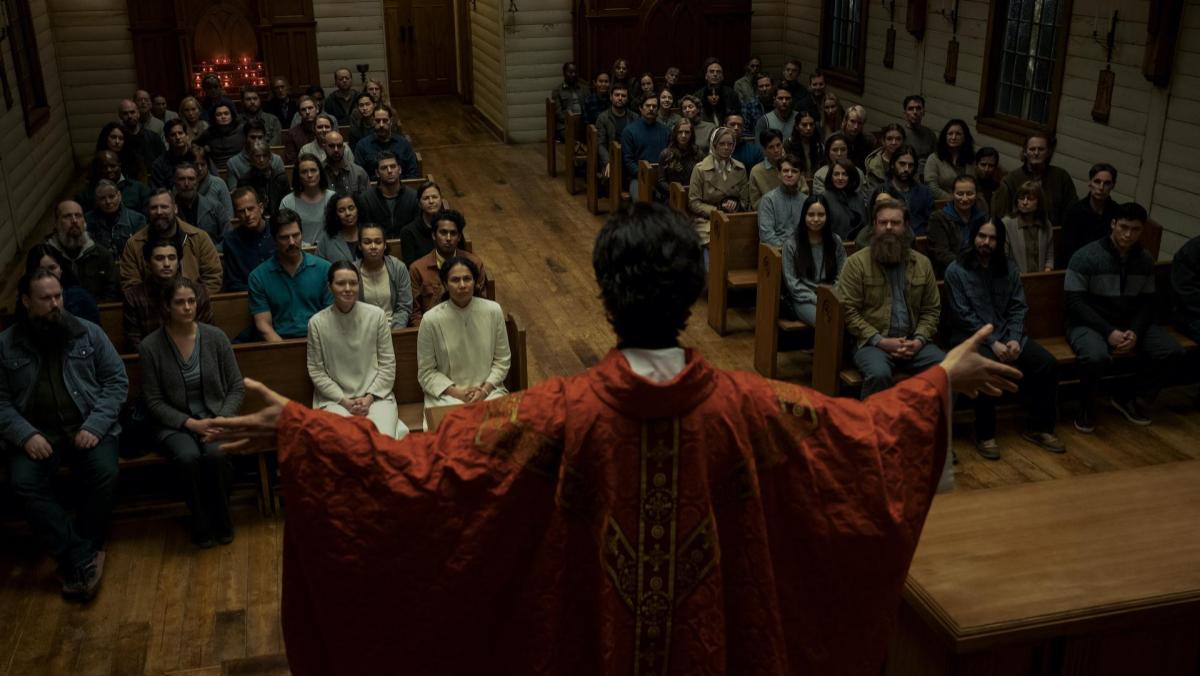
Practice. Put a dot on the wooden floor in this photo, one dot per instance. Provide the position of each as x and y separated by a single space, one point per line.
166 607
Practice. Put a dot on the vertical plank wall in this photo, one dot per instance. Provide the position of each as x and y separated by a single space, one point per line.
350 32
33 170
1164 176
95 61
537 40
487 61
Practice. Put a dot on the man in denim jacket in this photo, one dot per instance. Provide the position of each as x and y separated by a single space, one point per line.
61 387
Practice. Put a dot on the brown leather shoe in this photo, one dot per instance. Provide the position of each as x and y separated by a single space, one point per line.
1046 440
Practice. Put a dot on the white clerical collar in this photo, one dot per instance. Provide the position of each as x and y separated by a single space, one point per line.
657 366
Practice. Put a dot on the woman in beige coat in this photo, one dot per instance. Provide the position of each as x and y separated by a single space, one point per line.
718 182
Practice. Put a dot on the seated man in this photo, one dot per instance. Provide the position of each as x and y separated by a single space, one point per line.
384 140
324 126
252 112
106 166
609 127
597 101
142 146
642 139
90 263
1090 218
56 411
281 104
780 116
390 204
901 183
1110 312
949 226
891 301
179 149
427 289
764 176
758 105
344 175
747 151
984 287
297 135
110 223
142 310
249 243
568 97
289 288
239 165
317 94
269 180
341 102
199 262
196 209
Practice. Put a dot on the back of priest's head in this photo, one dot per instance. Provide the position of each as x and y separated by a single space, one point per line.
650 268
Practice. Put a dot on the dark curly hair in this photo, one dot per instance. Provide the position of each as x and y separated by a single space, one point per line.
650 267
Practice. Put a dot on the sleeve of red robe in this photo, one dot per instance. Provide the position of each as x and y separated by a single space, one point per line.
407 553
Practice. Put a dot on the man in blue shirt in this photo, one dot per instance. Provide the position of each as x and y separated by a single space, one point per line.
643 139
289 288
366 151
747 151
249 242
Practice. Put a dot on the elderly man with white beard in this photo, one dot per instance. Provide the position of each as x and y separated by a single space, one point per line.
91 263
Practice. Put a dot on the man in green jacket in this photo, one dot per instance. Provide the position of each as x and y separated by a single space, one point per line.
891 302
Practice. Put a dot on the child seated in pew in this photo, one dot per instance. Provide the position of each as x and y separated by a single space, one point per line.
350 356
812 255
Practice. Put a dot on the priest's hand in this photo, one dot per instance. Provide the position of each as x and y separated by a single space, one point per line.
253 430
972 373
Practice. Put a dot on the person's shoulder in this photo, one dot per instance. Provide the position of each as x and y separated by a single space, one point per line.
212 333
316 261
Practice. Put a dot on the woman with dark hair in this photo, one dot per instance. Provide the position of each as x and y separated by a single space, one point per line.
309 196
339 240
880 160
106 165
386 282
1030 239
988 173
814 255
351 360
112 137
416 238
645 90
666 108
712 107
224 137
620 75
190 376
677 160
76 299
836 148
360 119
689 109
805 143
955 156
462 344
847 211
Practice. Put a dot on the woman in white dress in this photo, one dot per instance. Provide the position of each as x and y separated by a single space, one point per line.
350 357
462 345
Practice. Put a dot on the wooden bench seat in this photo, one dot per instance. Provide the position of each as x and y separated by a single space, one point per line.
733 261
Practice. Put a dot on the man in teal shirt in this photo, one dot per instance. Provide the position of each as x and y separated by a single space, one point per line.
290 287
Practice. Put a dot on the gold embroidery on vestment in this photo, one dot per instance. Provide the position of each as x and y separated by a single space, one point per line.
501 435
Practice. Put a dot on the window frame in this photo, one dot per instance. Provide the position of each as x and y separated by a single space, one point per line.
1008 127
850 80
35 105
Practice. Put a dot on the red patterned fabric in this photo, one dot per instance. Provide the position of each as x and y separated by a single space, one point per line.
603 524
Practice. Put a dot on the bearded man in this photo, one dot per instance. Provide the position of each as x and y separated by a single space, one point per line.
891 301
198 257
56 410
90 263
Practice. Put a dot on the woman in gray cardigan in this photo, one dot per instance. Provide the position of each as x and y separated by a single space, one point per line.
189 377
386 282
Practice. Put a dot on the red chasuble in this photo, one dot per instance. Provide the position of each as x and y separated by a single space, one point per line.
718 523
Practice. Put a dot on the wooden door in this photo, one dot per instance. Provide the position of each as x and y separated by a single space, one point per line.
420 38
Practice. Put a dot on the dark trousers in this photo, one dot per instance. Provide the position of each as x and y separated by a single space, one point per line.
1157 352
73 543
1039 388
878 366
204 475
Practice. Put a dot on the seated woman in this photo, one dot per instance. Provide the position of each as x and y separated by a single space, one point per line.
813 255
833 116
677 160
309 196
360 119
1028 229
350 357
645 89
76 300
106 165
880 160
666 103
224 137
689 109
426 272
190 376
953 157
386 283
416 238
847 212
112 138
717 182
805 143
339 240
712 107
189 112
110 223
462 345
836 148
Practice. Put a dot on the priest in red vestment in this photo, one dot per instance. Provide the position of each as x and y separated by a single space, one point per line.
653 515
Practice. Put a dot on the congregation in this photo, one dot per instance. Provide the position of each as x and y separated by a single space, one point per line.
329 232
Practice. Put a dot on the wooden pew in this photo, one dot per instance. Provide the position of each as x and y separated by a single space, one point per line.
231 314
551 144
678 199
593 168
733 261
647 178
414 183
574 134
768 326
617 194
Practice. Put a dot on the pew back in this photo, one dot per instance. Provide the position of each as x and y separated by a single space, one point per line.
767 322
733 261
551 150
593 167
573 136
616 177
647 178
678 198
